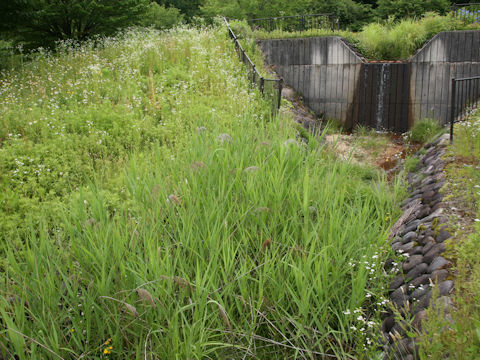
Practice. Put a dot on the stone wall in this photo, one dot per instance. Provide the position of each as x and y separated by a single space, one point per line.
418 237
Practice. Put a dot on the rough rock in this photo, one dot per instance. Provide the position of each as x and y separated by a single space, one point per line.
438 263
412 261
442 236
434 252
418 270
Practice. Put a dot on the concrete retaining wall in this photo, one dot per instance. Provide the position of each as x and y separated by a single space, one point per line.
323 69
447 55
337 82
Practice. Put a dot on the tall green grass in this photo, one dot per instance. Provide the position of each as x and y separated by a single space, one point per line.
208 233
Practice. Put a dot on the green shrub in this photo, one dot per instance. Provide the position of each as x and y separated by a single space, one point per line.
161 17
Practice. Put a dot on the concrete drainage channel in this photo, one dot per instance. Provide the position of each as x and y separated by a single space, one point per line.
418 237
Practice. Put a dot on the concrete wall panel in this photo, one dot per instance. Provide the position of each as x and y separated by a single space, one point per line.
335 81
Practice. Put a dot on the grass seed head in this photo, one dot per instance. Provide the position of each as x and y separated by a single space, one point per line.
131 309
146 296
224 316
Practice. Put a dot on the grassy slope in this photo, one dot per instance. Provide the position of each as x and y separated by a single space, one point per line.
130 224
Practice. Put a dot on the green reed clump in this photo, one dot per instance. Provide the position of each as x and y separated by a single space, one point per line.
209 233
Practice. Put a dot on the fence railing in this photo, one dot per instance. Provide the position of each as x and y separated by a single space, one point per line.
271 89
465 97
297 22
468 12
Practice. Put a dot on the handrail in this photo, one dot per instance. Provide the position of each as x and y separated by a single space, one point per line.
331 17
246 59
290 16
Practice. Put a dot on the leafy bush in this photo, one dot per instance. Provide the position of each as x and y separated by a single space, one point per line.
161 17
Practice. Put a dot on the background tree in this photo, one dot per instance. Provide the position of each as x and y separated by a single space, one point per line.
161 17
42 22
351 13
410 8
189 8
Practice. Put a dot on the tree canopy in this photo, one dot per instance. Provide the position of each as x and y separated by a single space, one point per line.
42 22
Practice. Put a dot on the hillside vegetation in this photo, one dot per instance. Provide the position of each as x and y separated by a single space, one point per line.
154 208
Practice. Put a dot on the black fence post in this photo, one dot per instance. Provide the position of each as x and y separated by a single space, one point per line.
280 88
452 110
262 84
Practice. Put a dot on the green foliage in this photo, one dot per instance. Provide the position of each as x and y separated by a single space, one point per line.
161 17
188 8
166 237
424 130
400 9
351 13
42 22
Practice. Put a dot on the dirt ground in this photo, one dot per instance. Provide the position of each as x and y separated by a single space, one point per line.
382 150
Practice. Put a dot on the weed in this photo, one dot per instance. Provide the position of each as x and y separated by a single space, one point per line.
411 163
185 221
424 131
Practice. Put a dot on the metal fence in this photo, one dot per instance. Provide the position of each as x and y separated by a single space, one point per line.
465 98
297 22
468 12
271 89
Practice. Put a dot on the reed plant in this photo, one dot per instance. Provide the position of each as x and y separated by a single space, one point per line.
189 222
